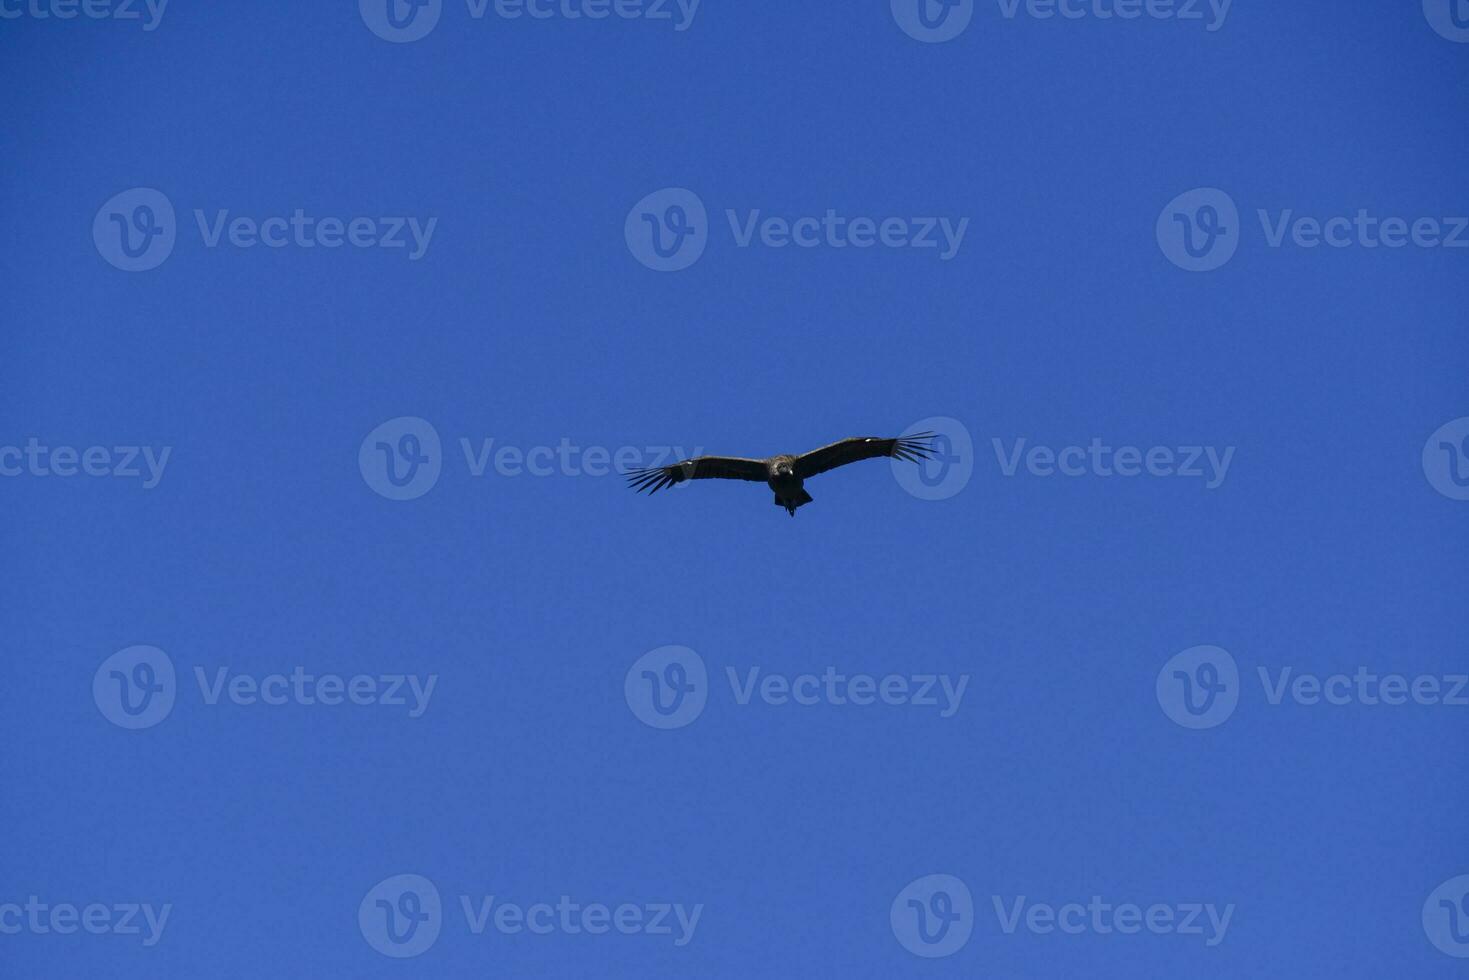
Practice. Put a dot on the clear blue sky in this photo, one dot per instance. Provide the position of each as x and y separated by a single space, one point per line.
528 319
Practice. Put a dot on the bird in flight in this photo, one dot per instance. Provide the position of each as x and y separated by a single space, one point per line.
784 474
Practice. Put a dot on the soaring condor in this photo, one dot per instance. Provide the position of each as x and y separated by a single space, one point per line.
784 474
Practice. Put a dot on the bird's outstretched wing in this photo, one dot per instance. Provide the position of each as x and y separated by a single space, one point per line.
914 448
655 478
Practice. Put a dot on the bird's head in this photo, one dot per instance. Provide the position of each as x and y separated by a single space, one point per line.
783 468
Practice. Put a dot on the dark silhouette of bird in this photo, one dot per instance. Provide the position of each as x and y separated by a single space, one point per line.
784 474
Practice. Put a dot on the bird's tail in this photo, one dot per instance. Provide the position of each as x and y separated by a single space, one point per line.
791 503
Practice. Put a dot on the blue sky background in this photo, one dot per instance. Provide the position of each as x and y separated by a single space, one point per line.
529 321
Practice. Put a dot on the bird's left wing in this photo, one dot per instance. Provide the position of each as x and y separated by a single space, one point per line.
914 448
655 478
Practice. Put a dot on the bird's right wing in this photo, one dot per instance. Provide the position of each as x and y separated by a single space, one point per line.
914 449
655 478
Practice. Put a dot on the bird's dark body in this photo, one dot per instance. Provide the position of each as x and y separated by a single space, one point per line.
785 475
790 490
